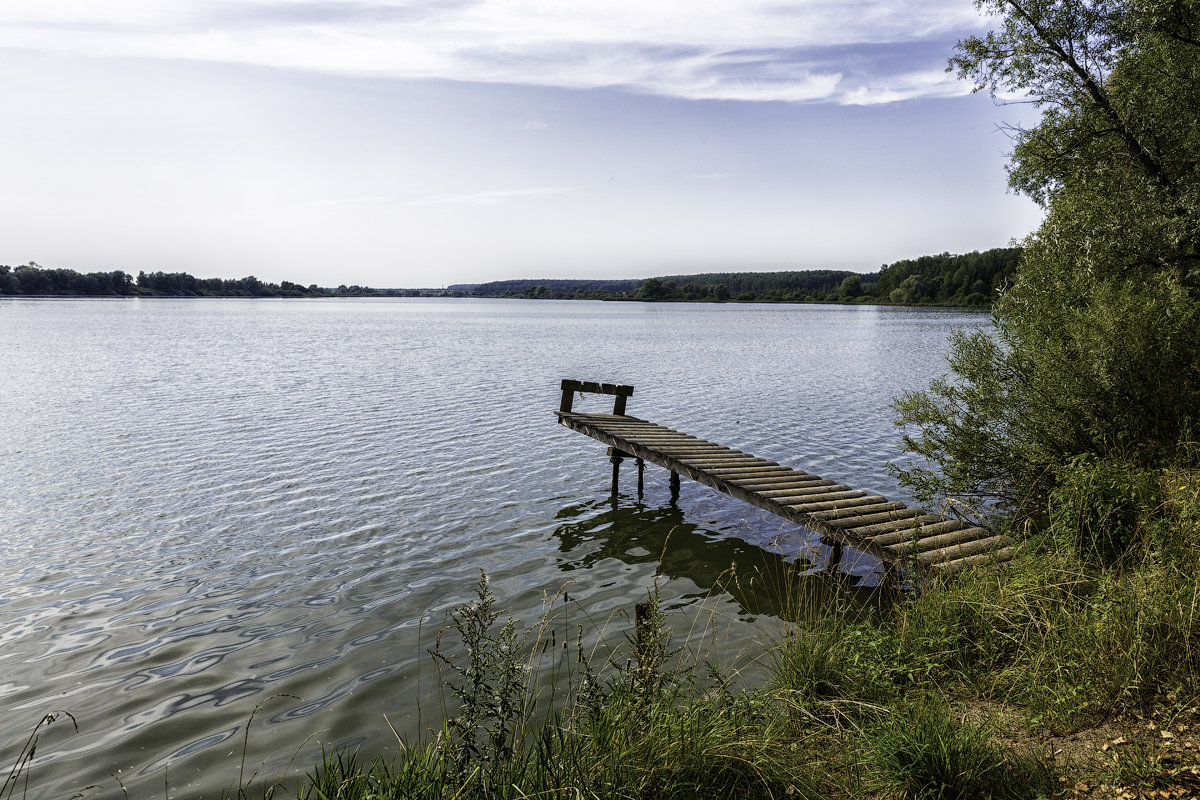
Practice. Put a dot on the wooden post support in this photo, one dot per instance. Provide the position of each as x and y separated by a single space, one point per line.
641 465
616 457
835 557
568 397
892 582
674 487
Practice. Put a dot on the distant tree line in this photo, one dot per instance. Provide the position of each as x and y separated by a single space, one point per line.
557 288
973 279
34 279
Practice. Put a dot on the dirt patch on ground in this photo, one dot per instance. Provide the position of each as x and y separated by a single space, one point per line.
1151 756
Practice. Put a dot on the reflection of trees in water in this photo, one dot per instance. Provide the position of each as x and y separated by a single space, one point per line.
759 580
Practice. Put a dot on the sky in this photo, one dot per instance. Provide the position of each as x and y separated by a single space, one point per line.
425 143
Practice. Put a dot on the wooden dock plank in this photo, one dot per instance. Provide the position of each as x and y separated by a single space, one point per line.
994 557
959 551
782 483
900 528
877 506
727 463
741 475
887 529
783 496
685 448
923 527
810 508
858 522
804 501
937 542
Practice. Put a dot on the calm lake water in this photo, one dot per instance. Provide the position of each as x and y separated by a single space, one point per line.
208 503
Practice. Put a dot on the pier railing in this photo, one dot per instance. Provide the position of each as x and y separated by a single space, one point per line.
570 388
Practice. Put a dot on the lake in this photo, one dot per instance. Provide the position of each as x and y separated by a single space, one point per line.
209 504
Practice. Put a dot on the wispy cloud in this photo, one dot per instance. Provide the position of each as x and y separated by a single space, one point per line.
365 200
751 50
486 198
927 83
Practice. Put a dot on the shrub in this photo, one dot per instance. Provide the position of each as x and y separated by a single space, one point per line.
922 752
1101 507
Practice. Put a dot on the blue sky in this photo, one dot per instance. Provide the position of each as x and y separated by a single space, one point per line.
406 143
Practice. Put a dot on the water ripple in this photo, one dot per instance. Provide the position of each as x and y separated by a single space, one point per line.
212 505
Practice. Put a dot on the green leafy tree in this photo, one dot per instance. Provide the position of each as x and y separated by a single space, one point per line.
652 289
8 283
1096 347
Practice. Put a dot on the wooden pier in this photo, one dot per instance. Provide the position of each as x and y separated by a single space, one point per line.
890 531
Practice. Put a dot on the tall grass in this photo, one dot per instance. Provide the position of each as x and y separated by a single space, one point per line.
19 775
921 751
648 727
837 717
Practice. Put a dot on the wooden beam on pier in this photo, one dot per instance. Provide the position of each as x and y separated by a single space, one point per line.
888 530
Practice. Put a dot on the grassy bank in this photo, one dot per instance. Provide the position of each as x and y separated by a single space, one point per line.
1061 674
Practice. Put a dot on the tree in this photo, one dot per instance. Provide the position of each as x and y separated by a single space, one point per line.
652 289
1096 347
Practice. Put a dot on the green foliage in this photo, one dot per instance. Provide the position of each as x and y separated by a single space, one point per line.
973 279
1107 354
649 672
489 684
1047 634
851 286
760 285
676 746
1099 507
647 732
1114 80
341 775
1051 635
643 731
1096 348
811 663
33 279
922 752
1074 367
1127 639
974 437
550 288
181 284
831 657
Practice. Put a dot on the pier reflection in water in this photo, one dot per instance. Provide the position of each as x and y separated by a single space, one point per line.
762 580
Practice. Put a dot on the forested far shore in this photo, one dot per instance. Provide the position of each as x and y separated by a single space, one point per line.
36 280
973 279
